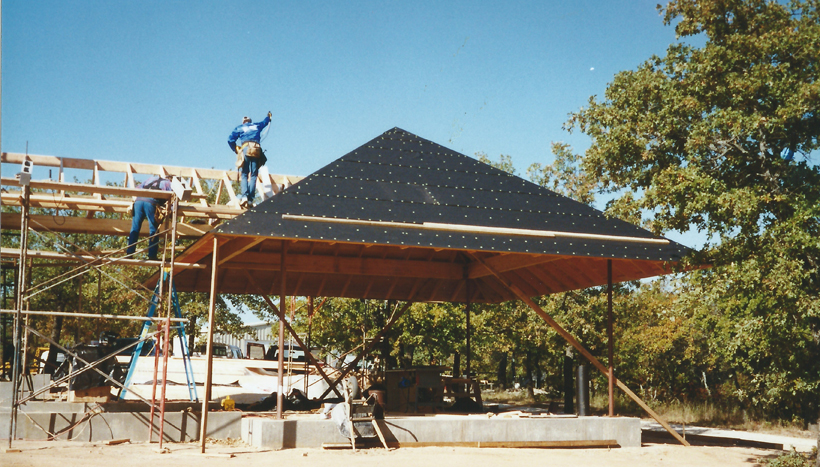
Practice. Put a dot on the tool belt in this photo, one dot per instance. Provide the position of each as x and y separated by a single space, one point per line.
251 149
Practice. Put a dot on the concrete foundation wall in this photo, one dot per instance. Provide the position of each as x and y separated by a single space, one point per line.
307 433
180 426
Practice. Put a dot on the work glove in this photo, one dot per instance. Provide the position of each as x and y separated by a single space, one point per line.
269 114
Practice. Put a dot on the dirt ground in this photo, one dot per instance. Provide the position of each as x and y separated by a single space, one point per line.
76 454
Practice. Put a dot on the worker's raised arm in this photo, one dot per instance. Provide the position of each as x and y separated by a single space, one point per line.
264 122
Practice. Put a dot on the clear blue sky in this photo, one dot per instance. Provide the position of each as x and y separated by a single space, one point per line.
167 81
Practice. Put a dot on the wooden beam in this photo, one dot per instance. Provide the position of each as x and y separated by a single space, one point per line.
112 227
581 443
124 167
86 203
237 246
509 262
195 182
348 265
93 189
91 260
203 428
226 182
475 229
580 348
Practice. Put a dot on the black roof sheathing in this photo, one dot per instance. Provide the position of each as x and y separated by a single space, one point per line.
400 177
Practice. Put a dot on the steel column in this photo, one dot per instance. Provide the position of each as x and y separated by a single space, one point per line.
21 286
610 343
280 366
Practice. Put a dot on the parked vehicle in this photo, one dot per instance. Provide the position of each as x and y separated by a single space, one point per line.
221 350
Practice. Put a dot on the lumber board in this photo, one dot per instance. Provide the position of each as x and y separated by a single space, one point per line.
88 203
504 263
560 444
15 253
114 227
132 167
347 265
95 189
114 442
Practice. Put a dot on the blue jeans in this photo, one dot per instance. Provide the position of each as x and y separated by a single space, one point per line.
247 178
144 210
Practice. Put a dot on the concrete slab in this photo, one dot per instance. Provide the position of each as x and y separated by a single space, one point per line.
312 433
788 442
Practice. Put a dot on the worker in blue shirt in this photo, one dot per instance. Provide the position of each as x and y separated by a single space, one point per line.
146 208
244 141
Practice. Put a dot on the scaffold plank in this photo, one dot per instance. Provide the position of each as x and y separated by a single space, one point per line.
114 227
88 203
14 252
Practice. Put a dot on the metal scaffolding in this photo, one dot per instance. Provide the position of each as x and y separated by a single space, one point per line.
201 214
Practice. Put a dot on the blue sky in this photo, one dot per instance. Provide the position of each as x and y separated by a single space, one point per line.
167 81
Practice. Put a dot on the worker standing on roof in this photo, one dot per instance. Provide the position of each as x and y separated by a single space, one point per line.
146 208
244 141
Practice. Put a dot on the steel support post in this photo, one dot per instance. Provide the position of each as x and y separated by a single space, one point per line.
166 349
610 343
468 312
280 365
21 286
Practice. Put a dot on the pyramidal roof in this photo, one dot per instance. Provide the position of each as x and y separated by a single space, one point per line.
401 189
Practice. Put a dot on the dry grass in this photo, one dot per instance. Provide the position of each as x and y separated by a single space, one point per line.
707 414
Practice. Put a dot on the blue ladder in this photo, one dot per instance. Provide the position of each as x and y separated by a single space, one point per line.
180 330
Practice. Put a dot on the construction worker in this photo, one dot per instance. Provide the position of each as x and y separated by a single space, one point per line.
146 208
244 141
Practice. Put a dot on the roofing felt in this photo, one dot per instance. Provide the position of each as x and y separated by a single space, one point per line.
404 218
399 178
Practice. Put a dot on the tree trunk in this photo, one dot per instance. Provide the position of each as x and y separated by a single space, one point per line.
56 330
191 333
501 371
384 345
528 364
569 383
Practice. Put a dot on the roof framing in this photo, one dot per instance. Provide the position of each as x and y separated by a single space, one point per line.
86 199
403 218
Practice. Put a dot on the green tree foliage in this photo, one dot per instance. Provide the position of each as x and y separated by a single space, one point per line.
719 137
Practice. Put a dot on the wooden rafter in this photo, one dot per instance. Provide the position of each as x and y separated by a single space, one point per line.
238 246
